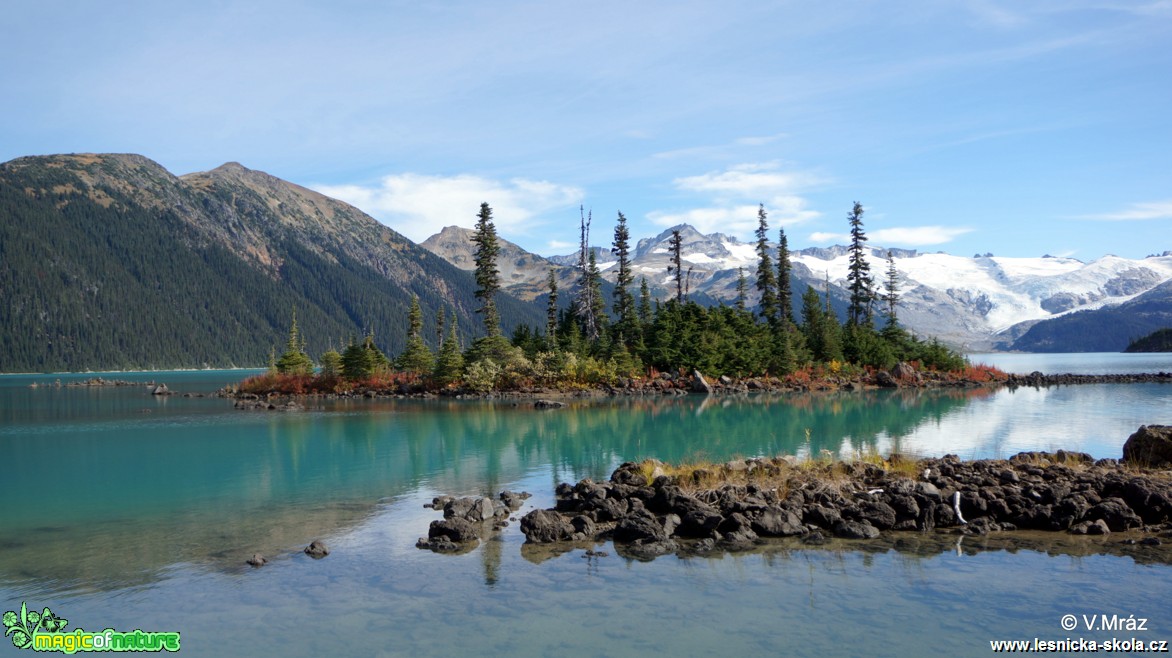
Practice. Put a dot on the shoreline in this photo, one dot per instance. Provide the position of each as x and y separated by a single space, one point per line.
667 384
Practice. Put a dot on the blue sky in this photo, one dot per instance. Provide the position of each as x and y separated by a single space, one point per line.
1018 128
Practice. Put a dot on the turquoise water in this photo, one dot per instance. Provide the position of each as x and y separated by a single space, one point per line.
129 511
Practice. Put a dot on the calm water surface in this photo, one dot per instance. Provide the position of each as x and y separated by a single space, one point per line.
128 511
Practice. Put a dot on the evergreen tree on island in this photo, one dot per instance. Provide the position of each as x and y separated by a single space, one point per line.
487 275
416 357
294 361
624 300
766 283
859 281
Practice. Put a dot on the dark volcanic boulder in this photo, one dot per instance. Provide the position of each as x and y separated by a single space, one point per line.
1151 445
455 530
855 530
544 526
777 522
1116 513
639 526
317 550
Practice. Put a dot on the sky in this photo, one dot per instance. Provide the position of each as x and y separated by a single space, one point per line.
964 126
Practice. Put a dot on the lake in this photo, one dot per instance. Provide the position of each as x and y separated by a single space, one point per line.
128 511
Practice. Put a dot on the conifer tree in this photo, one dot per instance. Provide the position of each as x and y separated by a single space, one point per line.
675 246
439 328
294 361
487 275
624 300
766 283
551 310
742 289
449 365
859 280
644 302
891 290
784 290
416 357
331 363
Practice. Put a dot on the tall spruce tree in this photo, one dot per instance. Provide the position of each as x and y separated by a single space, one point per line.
551 310
675 247
742 289
644 303
891 290
416 356
784 287
766 283
449 365
626 324
294 361
859 281
487 276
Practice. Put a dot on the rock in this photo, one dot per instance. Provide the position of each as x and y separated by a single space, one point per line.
477 510
904 372
699 384
823 517
317 550
629 473
548 404
584 526
161 389
1150 446
257 560
855 530
778 522
928 490
884 379
544 526
455 529
1116 514
879 514
513 500
639 526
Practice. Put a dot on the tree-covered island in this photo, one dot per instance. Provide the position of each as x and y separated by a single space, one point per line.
636 342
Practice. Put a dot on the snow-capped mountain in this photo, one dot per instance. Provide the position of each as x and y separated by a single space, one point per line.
976 303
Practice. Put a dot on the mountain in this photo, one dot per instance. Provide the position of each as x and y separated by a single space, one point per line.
978 303
524 275
1107 329
110 261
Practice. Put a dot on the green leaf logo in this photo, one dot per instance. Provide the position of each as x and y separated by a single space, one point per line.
23 626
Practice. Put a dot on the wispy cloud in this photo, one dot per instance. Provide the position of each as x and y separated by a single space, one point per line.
720 150
734 195
1137 211
418 205
898 236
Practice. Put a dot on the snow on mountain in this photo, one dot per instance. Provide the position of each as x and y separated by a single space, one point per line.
970 301
977 303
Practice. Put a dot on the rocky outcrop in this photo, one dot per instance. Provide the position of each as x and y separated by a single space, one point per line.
467 520
1151 445
647 514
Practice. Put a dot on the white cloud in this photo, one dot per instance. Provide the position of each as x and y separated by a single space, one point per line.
829 238
763 181
559 246
734 198
1137 211
916 236
898 236
419 205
